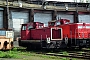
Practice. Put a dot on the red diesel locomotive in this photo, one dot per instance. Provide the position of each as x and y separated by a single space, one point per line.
58 34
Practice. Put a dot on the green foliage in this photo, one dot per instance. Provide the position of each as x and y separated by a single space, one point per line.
63 59
14 49
15 53
65 53
8 54
74 59
68 59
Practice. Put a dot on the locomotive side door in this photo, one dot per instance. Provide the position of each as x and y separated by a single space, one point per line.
23 32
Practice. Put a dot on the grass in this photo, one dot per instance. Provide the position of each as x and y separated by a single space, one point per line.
9 54
65 53
20 54
68 59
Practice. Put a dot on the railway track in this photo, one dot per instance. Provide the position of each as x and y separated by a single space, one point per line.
83 54
70 55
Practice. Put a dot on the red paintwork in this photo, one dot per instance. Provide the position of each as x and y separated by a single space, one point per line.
83 13
70 30
39 34
76 30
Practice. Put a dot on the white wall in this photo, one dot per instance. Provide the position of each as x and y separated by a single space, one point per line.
89 1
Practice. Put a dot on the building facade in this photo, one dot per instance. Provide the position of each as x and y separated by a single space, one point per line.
24 12
88 1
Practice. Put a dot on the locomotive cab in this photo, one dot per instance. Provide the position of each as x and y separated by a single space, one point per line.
52 23
25 29
58 22
64 21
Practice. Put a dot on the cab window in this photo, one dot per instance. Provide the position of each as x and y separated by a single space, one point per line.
23 27
57 23
80 26
30 27
2 33
87 26
52 24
